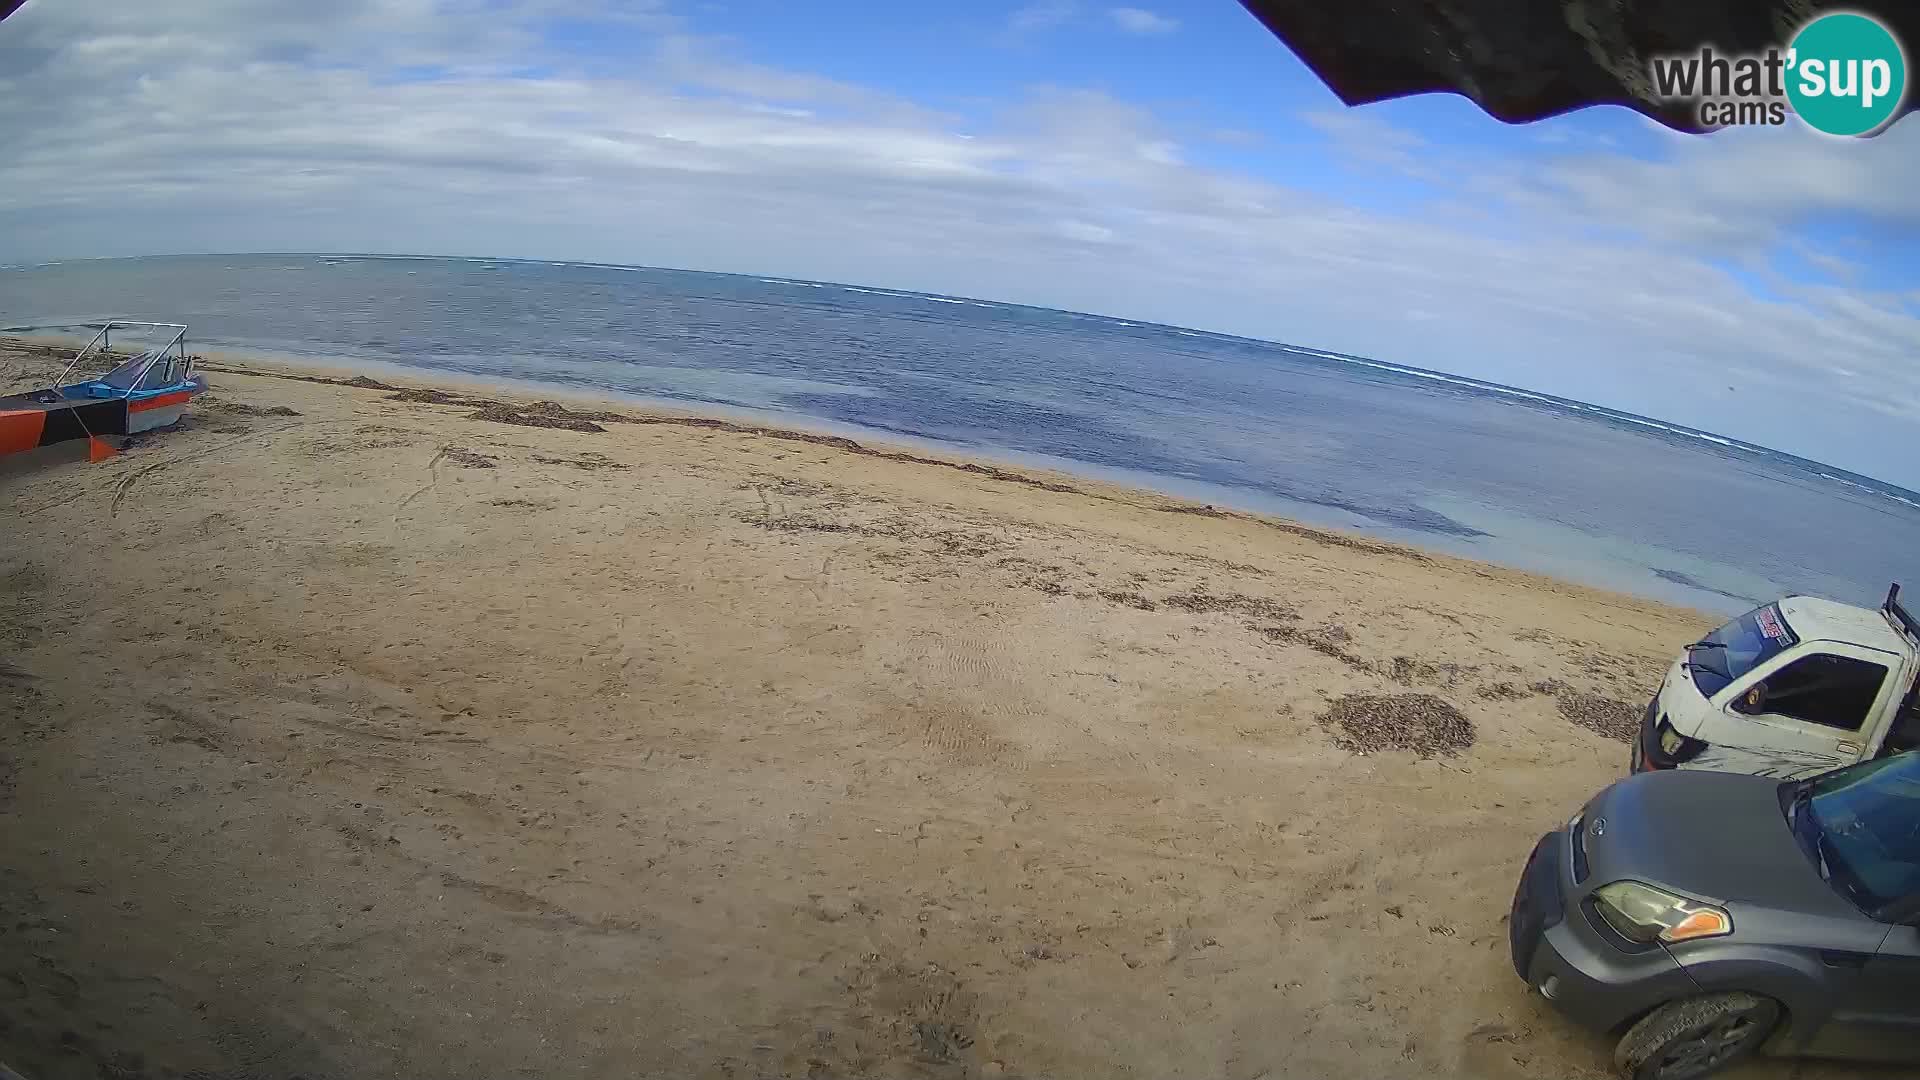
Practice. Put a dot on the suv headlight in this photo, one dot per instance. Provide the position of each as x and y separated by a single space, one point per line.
1642 913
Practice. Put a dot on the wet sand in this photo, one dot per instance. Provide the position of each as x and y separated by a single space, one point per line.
347 732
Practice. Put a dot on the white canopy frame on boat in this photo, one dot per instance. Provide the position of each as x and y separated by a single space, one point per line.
173 350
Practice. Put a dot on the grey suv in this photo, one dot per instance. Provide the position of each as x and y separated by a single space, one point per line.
1706 916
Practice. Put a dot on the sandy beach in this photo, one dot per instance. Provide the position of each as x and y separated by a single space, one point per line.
384 731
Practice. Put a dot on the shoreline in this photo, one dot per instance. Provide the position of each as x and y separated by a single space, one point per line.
451 390
1079 476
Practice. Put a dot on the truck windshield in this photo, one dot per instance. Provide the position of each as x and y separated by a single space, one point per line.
1738 647
1861 827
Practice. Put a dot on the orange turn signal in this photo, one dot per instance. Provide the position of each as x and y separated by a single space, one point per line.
1698 924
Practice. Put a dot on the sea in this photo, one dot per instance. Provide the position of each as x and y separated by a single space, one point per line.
1491 472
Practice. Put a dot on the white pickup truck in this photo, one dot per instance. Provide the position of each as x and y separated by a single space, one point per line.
1793 688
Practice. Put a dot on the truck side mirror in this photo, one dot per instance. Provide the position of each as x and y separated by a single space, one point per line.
1753 701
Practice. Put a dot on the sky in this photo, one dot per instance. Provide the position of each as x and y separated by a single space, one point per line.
1169 162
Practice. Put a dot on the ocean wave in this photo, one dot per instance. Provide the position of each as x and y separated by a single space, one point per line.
1512 392
1683 432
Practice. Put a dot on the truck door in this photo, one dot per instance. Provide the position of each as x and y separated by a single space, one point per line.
1826 706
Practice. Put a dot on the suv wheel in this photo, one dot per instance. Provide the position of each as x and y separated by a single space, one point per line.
1696 1037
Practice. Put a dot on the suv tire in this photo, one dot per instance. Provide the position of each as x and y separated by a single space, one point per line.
1696 1037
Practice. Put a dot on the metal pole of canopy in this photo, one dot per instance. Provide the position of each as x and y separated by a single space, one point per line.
77 357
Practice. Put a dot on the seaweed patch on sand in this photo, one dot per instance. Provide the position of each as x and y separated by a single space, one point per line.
1420 723
1616 720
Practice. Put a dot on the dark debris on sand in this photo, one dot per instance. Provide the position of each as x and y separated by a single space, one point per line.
241 408
1319 536
1237 603
499 413
1419 723
540 414
587 462
467 459
1501 691
1616 720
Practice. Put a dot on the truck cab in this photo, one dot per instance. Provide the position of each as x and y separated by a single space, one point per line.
1789 689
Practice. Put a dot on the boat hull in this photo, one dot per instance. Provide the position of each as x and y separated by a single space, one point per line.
157 412
41 419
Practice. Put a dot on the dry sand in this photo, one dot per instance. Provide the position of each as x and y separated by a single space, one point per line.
395 738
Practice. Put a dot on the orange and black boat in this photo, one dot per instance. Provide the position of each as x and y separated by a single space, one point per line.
146 391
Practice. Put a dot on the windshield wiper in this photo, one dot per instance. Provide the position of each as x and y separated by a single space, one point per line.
1708 645
1717 672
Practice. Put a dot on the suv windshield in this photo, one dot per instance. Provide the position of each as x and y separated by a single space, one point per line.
1861 827
1738 647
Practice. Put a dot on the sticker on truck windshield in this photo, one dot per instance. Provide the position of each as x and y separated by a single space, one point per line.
1771 625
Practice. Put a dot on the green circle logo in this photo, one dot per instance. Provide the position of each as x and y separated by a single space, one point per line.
1846 74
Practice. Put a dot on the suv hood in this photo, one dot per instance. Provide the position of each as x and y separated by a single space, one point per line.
1719 837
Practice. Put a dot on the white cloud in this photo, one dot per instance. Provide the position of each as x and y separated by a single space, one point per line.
1741 190
1141 21
1085 231
1365 136
218 125
1040 16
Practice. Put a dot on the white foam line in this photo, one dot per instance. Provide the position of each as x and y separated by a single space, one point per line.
942 300
1506 391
